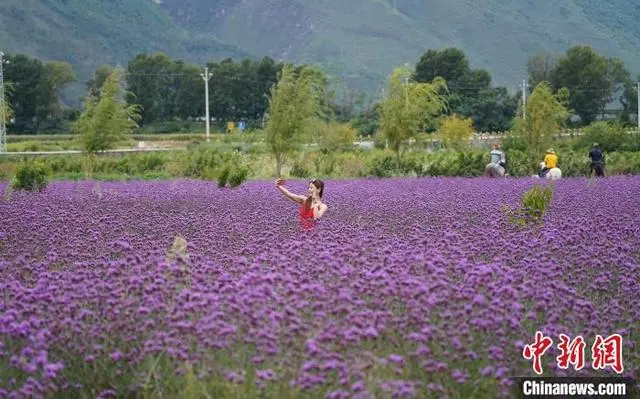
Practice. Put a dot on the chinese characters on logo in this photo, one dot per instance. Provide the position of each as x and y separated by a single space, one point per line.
605 352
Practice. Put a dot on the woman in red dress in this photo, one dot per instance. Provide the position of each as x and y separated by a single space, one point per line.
311 208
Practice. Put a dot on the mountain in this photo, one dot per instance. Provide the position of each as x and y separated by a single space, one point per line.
358 41
91 33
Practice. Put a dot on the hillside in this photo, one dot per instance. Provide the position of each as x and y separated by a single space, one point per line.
356 40
90 33
364 39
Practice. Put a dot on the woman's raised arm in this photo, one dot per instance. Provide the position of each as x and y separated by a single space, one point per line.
293 197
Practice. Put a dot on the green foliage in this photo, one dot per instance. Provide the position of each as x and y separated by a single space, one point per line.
546 113
73 29
207 161
595 78
201 162
455 132
30 176
335 137
385 165
36 98
299 170
611 136
223 177
533 205
408 107
367 122
294 109
233 173
238 175
107 120
8 110
537 199
97 80
469 91
59 74
541 67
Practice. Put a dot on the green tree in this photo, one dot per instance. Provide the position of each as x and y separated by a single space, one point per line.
541 67
469 91
546 113
33 97
629 100
455 132
409 106
189 87
591 78
8 111
336 137
294 109
59 75
150 83
97 80
107 120
451 64
611 136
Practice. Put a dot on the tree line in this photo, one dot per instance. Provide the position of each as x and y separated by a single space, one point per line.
165 89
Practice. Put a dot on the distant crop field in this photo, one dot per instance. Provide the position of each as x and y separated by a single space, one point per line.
406 288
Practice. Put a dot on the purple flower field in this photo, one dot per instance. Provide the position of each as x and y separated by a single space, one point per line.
406 288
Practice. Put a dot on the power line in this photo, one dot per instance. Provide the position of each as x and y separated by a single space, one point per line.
453 87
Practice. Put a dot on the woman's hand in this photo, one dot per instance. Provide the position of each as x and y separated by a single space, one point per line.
279 182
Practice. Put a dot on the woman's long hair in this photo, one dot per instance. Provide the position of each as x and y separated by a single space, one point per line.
320 186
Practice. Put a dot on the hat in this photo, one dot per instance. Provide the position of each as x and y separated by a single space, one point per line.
595 144
550 151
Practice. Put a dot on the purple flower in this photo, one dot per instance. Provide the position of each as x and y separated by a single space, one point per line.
115 356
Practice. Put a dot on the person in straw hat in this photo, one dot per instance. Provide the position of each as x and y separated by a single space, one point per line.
550 162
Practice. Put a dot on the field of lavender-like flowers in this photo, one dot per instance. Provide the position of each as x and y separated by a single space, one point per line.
406 288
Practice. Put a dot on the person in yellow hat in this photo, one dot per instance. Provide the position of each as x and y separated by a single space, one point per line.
550 162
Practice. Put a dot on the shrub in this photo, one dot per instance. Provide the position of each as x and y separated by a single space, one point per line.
384 165
610 136
455 132
533 204
537 199
238 176
336 137
299 170
223 177
30 176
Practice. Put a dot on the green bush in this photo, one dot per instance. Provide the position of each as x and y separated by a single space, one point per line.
223 177
611 136
537 199
233 172
238 176
383 164
299 170
30 176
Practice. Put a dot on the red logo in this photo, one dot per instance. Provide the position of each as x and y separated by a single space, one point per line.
605 352
608 352
536 350
572 352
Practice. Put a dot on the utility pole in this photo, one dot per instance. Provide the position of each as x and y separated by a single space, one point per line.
524 99
3 113
638 117
206 77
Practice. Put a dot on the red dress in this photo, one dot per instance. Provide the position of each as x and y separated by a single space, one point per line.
306 218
